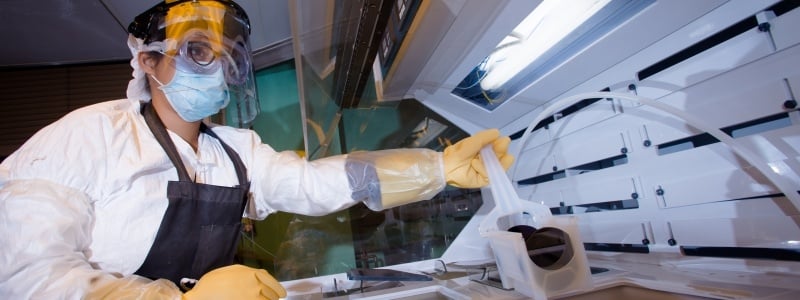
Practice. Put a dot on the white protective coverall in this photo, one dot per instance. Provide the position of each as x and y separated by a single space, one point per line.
82 200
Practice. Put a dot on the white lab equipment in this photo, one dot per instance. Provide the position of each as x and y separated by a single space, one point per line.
569 271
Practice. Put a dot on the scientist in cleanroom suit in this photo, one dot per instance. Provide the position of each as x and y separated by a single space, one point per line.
139 198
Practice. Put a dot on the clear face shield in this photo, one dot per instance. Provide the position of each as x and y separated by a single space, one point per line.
206 37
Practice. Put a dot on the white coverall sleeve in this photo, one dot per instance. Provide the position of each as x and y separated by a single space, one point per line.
47 217
46 232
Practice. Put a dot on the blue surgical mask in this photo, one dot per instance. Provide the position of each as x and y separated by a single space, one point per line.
196 96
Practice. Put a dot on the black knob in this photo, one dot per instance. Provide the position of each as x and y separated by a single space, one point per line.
634 195
790 104
646 242
660 192
647 143
623 150
672 242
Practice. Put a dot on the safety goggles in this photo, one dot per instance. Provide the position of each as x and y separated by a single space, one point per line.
196 54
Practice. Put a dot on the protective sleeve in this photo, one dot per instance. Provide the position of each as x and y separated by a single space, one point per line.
284 181
388 178
44 241
47 212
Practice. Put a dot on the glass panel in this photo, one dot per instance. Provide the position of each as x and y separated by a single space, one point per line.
314 37
279 120
414 232
293 246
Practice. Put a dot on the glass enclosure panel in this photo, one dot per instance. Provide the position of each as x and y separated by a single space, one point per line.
313 36
294 246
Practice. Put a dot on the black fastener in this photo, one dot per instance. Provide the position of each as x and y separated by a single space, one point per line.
790 104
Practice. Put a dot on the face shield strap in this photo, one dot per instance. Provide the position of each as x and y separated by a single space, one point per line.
146 25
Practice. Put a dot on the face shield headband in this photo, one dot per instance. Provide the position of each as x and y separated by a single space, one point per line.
202 37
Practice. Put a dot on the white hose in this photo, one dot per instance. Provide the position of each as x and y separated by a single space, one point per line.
784 185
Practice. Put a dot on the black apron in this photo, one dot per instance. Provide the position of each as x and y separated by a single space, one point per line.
201 228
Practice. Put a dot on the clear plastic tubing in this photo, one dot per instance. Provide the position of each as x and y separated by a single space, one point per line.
781 182
505 197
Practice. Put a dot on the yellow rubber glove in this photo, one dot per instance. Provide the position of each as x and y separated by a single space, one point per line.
462 163
236 282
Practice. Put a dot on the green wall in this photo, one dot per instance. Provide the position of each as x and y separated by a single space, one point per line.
280 123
